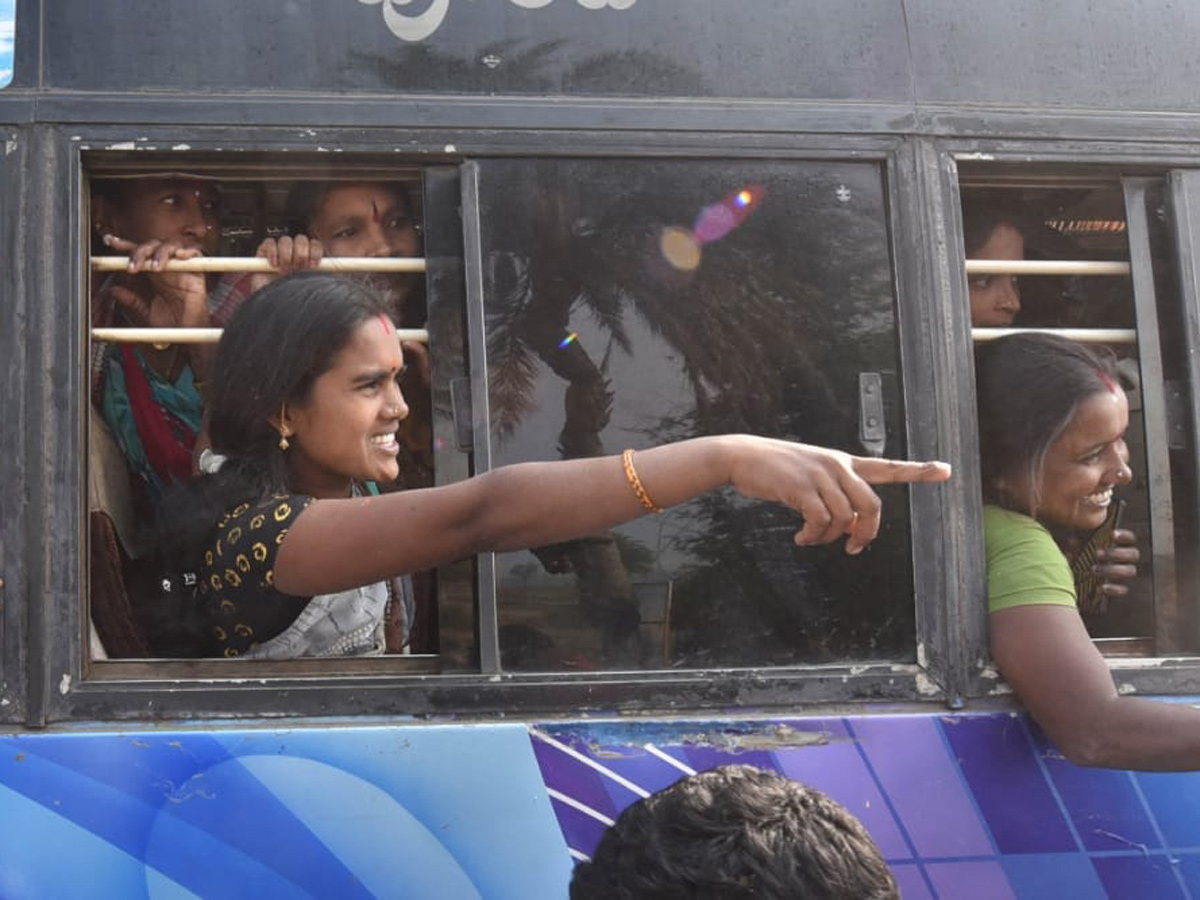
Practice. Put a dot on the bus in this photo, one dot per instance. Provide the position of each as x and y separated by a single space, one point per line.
639 220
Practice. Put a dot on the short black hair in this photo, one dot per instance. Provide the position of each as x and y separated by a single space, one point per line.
732 832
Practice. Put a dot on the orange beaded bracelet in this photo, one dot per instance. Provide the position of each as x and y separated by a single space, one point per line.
636 483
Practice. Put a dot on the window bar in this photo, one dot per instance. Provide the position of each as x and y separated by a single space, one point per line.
1046 267
204 335
1154 411
259 264
1083 335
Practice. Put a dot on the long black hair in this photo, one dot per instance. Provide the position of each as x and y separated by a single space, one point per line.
1028 387
277 344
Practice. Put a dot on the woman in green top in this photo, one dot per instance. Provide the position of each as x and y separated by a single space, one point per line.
1052 437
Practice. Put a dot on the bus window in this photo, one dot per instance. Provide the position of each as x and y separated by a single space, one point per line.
147 387
1051 251
632 302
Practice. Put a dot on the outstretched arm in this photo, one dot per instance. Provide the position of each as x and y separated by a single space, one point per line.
1045 654
337 544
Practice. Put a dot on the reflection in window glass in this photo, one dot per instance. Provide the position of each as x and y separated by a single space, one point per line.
630 303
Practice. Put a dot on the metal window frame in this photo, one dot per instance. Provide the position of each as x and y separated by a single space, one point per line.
16 445
62 688
1132 167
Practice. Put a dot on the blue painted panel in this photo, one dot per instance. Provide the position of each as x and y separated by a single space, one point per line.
967 803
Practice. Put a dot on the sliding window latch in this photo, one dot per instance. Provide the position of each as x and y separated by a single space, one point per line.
871 432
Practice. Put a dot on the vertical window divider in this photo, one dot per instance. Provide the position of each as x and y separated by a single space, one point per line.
489 626
1162 528
1184 191
948 561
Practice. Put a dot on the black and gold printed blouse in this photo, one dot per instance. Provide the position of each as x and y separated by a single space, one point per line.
237 593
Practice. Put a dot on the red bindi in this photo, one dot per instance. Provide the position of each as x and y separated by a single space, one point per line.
374 211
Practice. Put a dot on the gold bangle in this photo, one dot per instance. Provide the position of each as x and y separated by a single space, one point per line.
639 489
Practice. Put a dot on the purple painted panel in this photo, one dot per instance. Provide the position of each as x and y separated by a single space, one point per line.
1052 876
1174 800
1139 877
580 830
840 771
1104 804
568 775
974 880
707 757
995 756
911 882
910 759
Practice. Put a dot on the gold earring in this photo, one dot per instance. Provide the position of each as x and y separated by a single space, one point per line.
283 430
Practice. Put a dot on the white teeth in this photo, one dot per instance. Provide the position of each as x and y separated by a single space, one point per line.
1100 498
384 440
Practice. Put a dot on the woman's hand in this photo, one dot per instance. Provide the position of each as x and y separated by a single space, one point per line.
177 299
288 254
1118 563
829 488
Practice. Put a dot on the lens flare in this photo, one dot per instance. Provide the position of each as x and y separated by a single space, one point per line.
721 218
681 248
568 339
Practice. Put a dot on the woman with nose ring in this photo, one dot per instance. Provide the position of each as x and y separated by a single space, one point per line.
1052 421
294 556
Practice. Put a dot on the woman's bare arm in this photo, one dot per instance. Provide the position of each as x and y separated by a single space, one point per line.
336 544
1045 654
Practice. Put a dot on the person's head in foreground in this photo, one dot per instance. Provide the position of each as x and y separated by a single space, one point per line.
735 832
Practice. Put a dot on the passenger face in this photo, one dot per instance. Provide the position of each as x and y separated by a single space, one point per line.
364 220
164 209
347 428
1085 463
996 299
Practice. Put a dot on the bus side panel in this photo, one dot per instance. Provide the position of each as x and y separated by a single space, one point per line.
966 805
436 811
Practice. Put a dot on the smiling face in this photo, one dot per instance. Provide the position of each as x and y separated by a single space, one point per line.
347 427
163 209
996 299
1084 464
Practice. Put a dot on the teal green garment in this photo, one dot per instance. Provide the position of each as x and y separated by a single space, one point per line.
1024 565
180 398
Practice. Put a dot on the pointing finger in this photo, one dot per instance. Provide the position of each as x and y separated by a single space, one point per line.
896 471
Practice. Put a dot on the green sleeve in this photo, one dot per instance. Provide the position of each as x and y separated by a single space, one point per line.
1024 565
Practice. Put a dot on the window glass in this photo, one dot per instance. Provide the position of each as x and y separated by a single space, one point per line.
630 303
